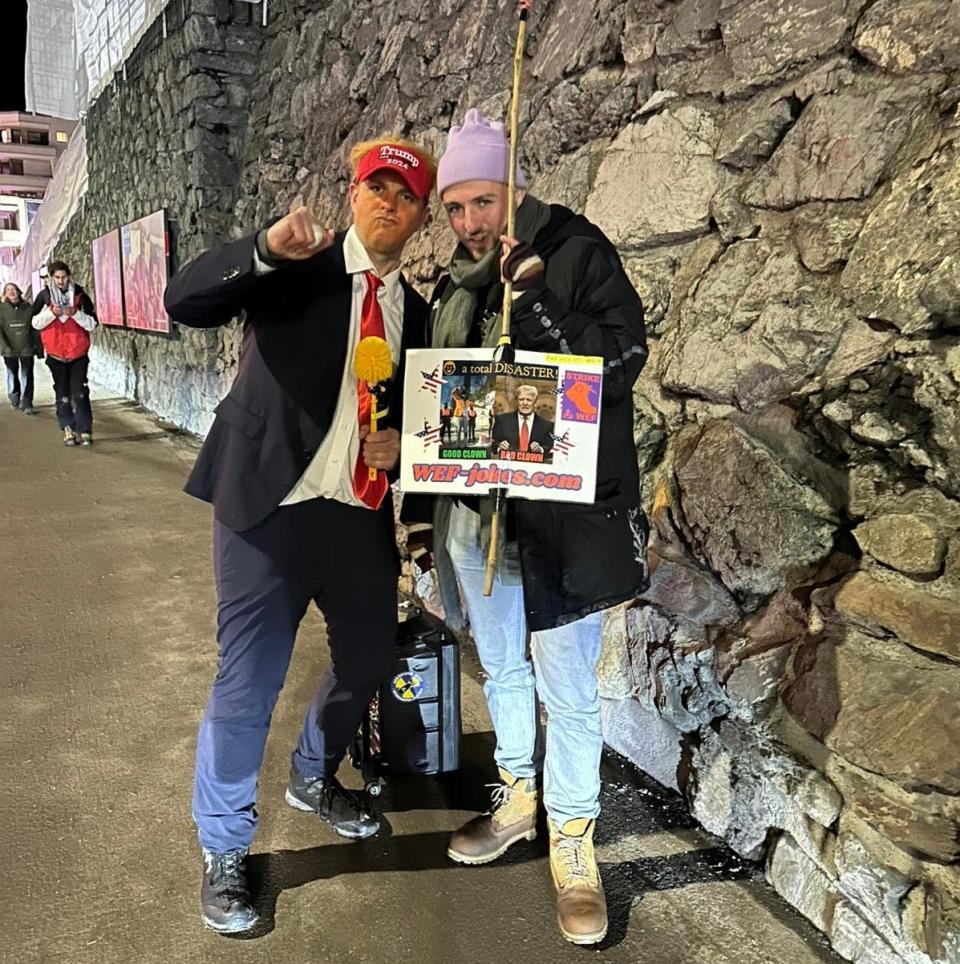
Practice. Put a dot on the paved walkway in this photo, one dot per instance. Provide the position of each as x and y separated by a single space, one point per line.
106 636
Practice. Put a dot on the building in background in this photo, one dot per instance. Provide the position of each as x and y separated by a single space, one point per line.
75 46
75 49
31 145
50 67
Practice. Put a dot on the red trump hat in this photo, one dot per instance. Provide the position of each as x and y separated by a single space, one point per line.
403 161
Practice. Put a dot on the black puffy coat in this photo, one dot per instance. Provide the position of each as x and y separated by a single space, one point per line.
578 559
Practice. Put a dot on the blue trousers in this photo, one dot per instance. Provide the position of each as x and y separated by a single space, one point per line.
558 665
345 560
20 381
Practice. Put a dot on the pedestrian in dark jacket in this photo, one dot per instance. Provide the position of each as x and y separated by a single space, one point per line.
19 345
63 314
446 415
297 516
564 563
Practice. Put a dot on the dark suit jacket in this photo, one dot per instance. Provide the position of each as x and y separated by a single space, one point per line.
284 396
506 428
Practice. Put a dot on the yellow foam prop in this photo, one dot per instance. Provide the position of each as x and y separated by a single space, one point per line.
373 363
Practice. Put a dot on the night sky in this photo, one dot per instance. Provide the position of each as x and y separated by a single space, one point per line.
15 42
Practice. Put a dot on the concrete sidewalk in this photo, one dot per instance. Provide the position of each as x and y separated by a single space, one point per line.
107 641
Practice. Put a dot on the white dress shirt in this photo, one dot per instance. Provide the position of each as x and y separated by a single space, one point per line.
330 472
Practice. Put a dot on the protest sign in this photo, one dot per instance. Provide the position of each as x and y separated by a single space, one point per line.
530 426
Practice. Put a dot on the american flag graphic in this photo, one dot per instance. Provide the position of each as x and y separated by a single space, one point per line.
562 443
429 434
432 381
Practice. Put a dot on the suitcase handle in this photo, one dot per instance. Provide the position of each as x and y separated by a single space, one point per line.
413 610
409 605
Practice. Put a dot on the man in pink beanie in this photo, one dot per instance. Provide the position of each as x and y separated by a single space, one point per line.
539 633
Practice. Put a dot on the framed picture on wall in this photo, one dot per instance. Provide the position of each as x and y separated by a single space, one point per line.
145 248
107 285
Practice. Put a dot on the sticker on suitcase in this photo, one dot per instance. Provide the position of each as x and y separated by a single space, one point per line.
407 687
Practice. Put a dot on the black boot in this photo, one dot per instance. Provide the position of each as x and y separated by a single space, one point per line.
347 812
224 895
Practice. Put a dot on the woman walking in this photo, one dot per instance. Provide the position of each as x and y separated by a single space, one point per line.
19 345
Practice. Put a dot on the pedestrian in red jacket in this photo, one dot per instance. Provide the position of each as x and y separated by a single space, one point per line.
63 314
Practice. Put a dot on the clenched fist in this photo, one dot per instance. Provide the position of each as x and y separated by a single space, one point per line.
298 236
381 449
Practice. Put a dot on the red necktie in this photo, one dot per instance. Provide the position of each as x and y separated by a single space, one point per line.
370 492
524 434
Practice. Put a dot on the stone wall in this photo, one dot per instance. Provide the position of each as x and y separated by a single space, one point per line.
170 135
782 179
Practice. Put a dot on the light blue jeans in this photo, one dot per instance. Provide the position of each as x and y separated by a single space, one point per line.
563 673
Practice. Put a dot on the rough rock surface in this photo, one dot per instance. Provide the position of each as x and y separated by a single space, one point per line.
841 146
905 267
880 707
886 605
757 328
910 543
171 136
926 824
903 37
666 166
756 524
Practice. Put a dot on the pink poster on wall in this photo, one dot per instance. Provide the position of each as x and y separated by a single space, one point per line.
145 272
108 293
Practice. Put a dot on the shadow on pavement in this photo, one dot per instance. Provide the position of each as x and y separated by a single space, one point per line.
142 437
626 883
632 805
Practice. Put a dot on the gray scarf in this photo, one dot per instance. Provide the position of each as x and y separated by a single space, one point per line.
451 326
62 299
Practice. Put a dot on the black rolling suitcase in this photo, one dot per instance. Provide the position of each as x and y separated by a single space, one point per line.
412 725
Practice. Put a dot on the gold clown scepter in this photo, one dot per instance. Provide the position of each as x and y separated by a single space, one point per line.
373 365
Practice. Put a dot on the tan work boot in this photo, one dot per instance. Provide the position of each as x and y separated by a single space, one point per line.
581 905
512 817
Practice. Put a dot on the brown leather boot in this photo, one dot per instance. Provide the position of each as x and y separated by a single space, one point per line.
581 905
512 817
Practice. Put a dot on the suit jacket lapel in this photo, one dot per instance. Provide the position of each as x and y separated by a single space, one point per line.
414 320
414 335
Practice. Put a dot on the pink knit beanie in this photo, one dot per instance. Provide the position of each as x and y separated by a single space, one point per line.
477 151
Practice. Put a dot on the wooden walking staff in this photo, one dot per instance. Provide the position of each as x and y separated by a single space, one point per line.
373 364
505 343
